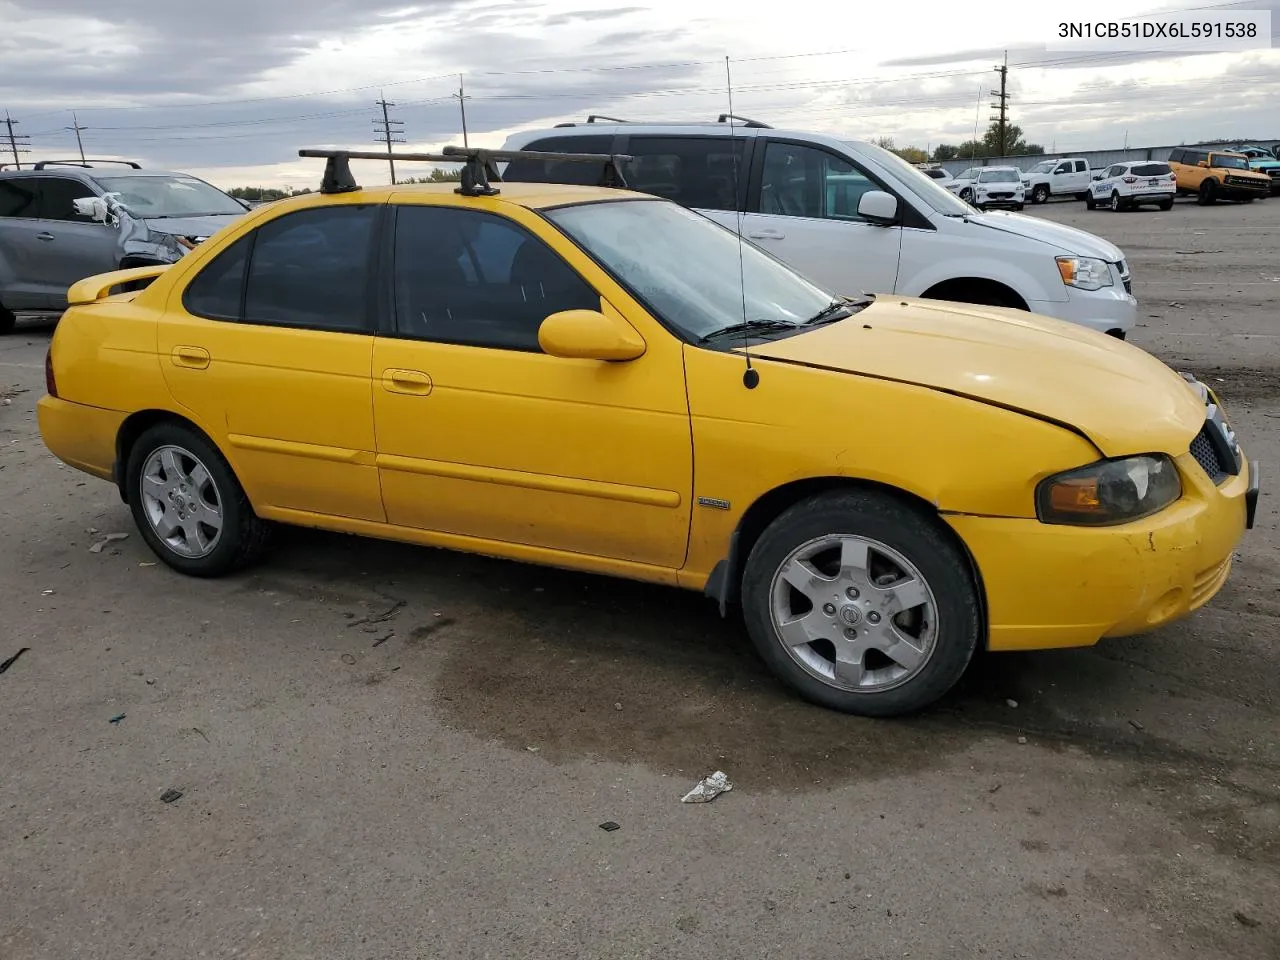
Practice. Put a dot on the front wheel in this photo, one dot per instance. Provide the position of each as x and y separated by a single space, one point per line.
1017 206
188 505
861 604
1116 203
966 195
1089 202
1040 194
1206 194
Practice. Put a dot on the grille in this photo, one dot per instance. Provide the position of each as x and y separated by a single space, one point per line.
1274 172
1128 285
1241 182
1001 195
1207 456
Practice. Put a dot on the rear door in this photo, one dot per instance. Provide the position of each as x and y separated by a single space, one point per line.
803 208
72 246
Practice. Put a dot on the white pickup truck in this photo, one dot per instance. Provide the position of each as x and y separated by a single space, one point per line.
1065 177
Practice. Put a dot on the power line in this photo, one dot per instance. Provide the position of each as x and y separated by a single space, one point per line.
391 130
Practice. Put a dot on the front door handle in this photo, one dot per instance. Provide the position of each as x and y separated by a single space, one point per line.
196 358
413 382
45 236
766 233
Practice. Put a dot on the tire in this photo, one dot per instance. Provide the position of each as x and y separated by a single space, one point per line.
1206 194
1116 203
7 320
1247 199
1166 204
966 195
1081 196
936 627
1040 194
1017 206
1089 202
163 459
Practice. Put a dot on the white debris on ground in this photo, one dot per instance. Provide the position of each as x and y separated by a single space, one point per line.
708 788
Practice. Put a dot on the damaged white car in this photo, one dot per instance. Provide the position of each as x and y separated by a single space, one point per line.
62 221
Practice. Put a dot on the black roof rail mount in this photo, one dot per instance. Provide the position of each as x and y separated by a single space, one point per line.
87 164
598 116
479 172
745 121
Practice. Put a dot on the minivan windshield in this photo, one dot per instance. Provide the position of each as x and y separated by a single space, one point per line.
999 176
940 198
686 268
153 197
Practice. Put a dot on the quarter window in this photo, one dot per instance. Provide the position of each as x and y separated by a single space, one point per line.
218 289
801 181
466 277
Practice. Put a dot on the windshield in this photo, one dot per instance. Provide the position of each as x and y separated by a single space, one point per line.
1230 163
149 197
940 198
999 176
1044 166
686 267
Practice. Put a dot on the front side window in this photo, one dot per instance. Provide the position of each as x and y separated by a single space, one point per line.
1063 168
19 198
802 181
1113 172
151 197
686 268
467 277
699 172
58 196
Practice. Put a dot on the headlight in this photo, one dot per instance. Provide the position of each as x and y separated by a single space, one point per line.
1109 491
1087 273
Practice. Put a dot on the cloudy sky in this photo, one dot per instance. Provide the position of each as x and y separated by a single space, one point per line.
231 89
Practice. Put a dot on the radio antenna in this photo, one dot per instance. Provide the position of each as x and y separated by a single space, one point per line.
750 376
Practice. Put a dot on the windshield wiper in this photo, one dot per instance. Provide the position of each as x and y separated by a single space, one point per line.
838 310
748 327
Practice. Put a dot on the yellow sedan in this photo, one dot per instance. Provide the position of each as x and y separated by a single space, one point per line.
601 380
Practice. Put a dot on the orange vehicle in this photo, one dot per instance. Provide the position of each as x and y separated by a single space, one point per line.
1213 175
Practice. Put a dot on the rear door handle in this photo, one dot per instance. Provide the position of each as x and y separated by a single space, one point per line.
413 382
197 358
46 236
767 233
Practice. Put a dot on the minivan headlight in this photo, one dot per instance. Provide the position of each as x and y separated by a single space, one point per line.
1087 273
1109 491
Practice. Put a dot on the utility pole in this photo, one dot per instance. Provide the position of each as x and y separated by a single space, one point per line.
1001 103
77 128
15 139
390 132
462 105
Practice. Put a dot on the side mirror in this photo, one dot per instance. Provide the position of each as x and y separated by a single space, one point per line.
589 335
1203 163
1097 176
95 208
878 207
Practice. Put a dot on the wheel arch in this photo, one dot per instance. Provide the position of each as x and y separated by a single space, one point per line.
133 427
958 288
724 583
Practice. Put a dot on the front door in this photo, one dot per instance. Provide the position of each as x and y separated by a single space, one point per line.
804 207
269 347
482 435
72 246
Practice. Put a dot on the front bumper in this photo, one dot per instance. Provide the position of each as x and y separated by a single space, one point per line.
1106 310
1059 586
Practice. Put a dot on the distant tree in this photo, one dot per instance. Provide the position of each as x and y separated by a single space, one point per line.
912 154
885 143
263 193
437 175
946 151
1015 145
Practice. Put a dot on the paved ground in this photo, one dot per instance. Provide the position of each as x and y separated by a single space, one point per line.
430 783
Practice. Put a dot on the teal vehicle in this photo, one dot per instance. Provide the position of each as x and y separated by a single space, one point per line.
1264 161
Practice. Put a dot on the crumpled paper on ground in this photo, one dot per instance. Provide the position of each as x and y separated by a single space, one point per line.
708 788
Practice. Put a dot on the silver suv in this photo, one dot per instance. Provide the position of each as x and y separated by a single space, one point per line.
64 220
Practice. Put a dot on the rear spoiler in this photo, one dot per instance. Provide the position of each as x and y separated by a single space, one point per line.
93 289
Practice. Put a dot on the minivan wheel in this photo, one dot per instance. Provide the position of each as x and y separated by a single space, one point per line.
1040 194
188 505
7 320
861 604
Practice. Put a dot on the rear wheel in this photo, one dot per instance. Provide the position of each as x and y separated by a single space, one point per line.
7 320
1166 204
188 505
1081 196
862 604
1207 193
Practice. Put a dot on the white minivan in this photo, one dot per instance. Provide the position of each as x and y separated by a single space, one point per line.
852 216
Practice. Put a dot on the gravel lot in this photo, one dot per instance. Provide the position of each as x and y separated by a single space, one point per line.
390 752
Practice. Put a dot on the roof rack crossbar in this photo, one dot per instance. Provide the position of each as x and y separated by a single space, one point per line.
41 164
594 117
745 121
479 173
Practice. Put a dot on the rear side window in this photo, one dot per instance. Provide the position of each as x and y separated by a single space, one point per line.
18 197
698 172
309 269
561 171
1150 170
1081 166
58 196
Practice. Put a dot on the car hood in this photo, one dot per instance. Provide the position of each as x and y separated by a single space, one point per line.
191 226
1065 239
1120 397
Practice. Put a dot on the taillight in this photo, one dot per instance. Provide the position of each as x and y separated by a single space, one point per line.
1129 179
50 384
